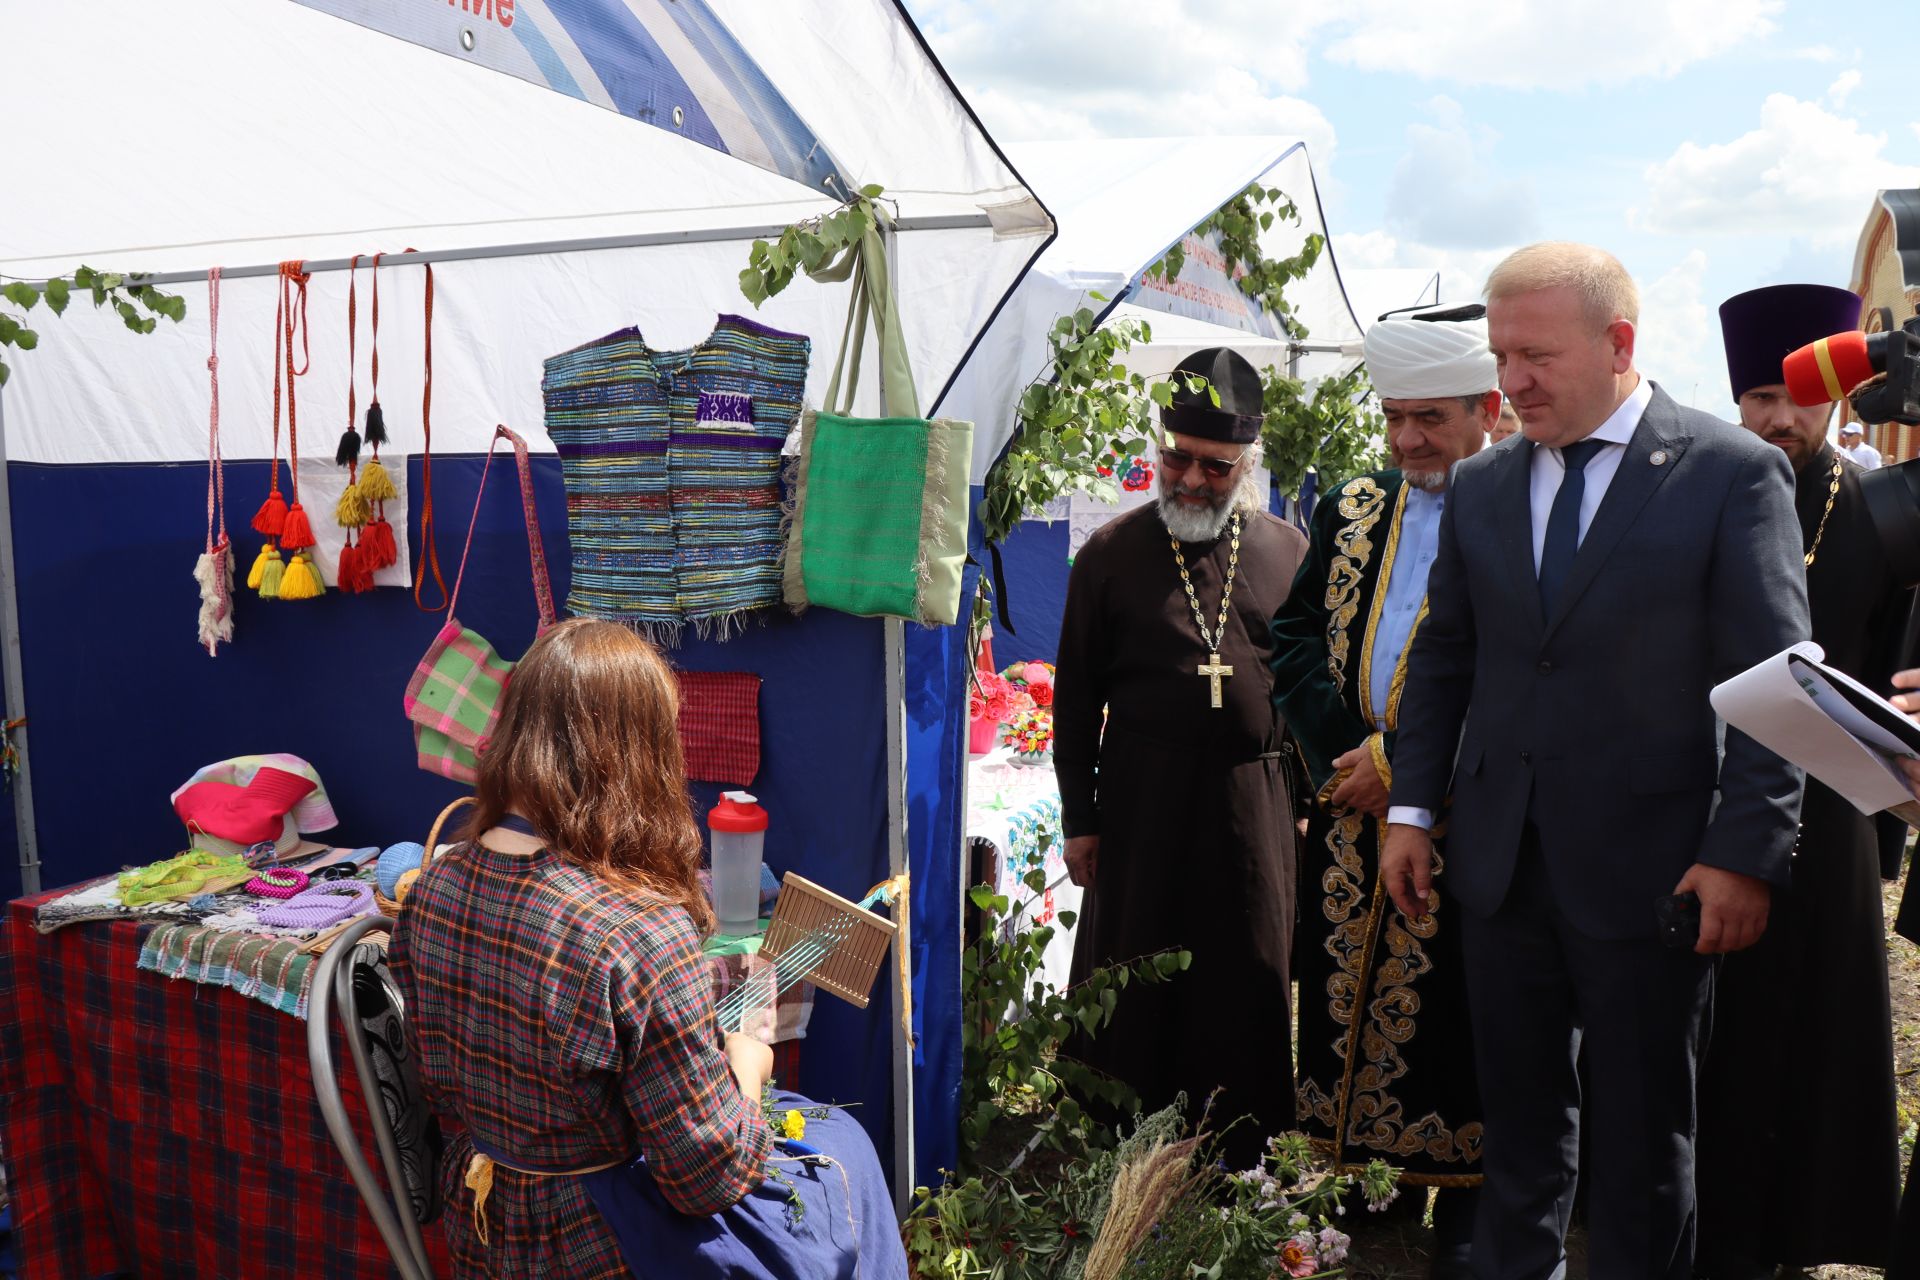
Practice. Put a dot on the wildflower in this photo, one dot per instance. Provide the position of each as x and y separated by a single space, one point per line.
1331 1245
1380 1205
795 1127
1297 1256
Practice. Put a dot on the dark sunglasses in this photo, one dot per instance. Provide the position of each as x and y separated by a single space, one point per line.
1176 461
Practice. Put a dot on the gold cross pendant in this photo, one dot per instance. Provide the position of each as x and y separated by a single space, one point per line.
1213 671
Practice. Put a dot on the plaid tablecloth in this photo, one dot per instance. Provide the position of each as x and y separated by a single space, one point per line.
165 1128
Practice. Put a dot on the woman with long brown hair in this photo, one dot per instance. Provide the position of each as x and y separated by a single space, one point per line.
562 1013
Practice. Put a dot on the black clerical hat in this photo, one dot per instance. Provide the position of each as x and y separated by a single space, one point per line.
1237 418
1762 326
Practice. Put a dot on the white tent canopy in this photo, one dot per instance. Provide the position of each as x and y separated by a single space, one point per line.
1121 204
235 132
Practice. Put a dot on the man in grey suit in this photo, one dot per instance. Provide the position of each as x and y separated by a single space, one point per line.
1596 576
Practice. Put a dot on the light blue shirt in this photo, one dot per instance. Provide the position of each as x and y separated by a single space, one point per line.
1406 592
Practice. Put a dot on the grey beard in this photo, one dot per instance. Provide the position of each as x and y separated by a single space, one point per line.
1428 480
1208 523
1188 525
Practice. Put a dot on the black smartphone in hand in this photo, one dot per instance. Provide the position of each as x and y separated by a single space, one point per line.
1678 917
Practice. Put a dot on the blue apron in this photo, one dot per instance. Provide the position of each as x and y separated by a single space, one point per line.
805 1222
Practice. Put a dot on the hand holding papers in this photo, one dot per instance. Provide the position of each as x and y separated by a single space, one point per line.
1829 724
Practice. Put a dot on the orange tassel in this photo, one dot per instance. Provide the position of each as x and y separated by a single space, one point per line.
272 516
297 532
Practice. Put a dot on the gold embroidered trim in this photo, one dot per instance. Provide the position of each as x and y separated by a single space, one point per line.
1361 503
1399 684
1377 748
1381 583
1373 996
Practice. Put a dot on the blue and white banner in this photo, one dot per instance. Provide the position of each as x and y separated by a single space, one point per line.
669 63
1205 290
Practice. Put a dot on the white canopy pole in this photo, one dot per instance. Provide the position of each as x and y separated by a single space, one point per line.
536 248
895 641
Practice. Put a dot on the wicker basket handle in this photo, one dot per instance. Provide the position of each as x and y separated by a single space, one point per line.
433 836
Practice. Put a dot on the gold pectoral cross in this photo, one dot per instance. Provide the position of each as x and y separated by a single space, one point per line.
1214 671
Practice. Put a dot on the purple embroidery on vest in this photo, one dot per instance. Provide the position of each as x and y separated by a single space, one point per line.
724 406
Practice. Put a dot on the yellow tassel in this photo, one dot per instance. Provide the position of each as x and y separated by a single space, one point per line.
313 567
375 484
271 575
352 511
479 1180
297 583
259 566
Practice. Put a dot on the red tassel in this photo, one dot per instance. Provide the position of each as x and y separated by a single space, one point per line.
348 574
272 516
297 533
378 549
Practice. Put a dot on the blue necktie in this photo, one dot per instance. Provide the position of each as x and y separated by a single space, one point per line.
1563 523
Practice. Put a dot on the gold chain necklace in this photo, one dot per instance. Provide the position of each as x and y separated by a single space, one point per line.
1212 669
1833 491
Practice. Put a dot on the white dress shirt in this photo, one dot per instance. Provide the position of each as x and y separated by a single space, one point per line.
1549 469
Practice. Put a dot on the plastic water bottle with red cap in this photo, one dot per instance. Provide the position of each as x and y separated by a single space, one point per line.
738 833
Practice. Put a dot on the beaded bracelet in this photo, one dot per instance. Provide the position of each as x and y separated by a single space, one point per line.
278 883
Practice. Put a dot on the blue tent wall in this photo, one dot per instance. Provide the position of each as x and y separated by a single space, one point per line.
124 707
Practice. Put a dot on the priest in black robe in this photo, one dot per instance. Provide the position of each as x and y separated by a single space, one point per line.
1177 816
1385 1066
1798 1153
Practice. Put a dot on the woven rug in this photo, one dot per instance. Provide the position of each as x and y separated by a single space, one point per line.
274 971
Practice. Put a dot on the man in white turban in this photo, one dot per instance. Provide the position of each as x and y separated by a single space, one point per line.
1385 1064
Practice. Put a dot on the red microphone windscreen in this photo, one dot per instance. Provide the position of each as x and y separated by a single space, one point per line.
1826 370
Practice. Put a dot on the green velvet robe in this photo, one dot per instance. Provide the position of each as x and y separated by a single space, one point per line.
1385 1062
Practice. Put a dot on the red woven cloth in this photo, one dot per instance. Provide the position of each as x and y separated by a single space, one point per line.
162 1128
720 725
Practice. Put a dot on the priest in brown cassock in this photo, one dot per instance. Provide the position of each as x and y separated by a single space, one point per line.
1177 814
1798 1150
1386 1051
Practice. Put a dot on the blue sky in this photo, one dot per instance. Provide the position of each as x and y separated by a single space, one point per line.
1714 145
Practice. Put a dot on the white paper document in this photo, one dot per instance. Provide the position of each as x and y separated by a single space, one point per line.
1828 723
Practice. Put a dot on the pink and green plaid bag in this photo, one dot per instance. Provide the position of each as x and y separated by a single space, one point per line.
453 699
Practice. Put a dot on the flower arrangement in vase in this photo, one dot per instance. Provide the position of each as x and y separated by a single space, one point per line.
990 703
1030 734
1034 680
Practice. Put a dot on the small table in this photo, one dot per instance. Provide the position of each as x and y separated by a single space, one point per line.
168 1128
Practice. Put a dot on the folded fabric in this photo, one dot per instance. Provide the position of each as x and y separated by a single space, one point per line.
100 900
720 725
313 812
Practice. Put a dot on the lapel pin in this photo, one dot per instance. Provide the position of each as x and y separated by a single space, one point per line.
1658 457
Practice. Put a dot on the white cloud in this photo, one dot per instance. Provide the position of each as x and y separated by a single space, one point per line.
1678 340
1444 191
1804 171
1116 68
1519 44
1462 271
1842 87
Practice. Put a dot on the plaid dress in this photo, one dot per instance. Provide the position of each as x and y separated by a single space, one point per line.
567 1023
